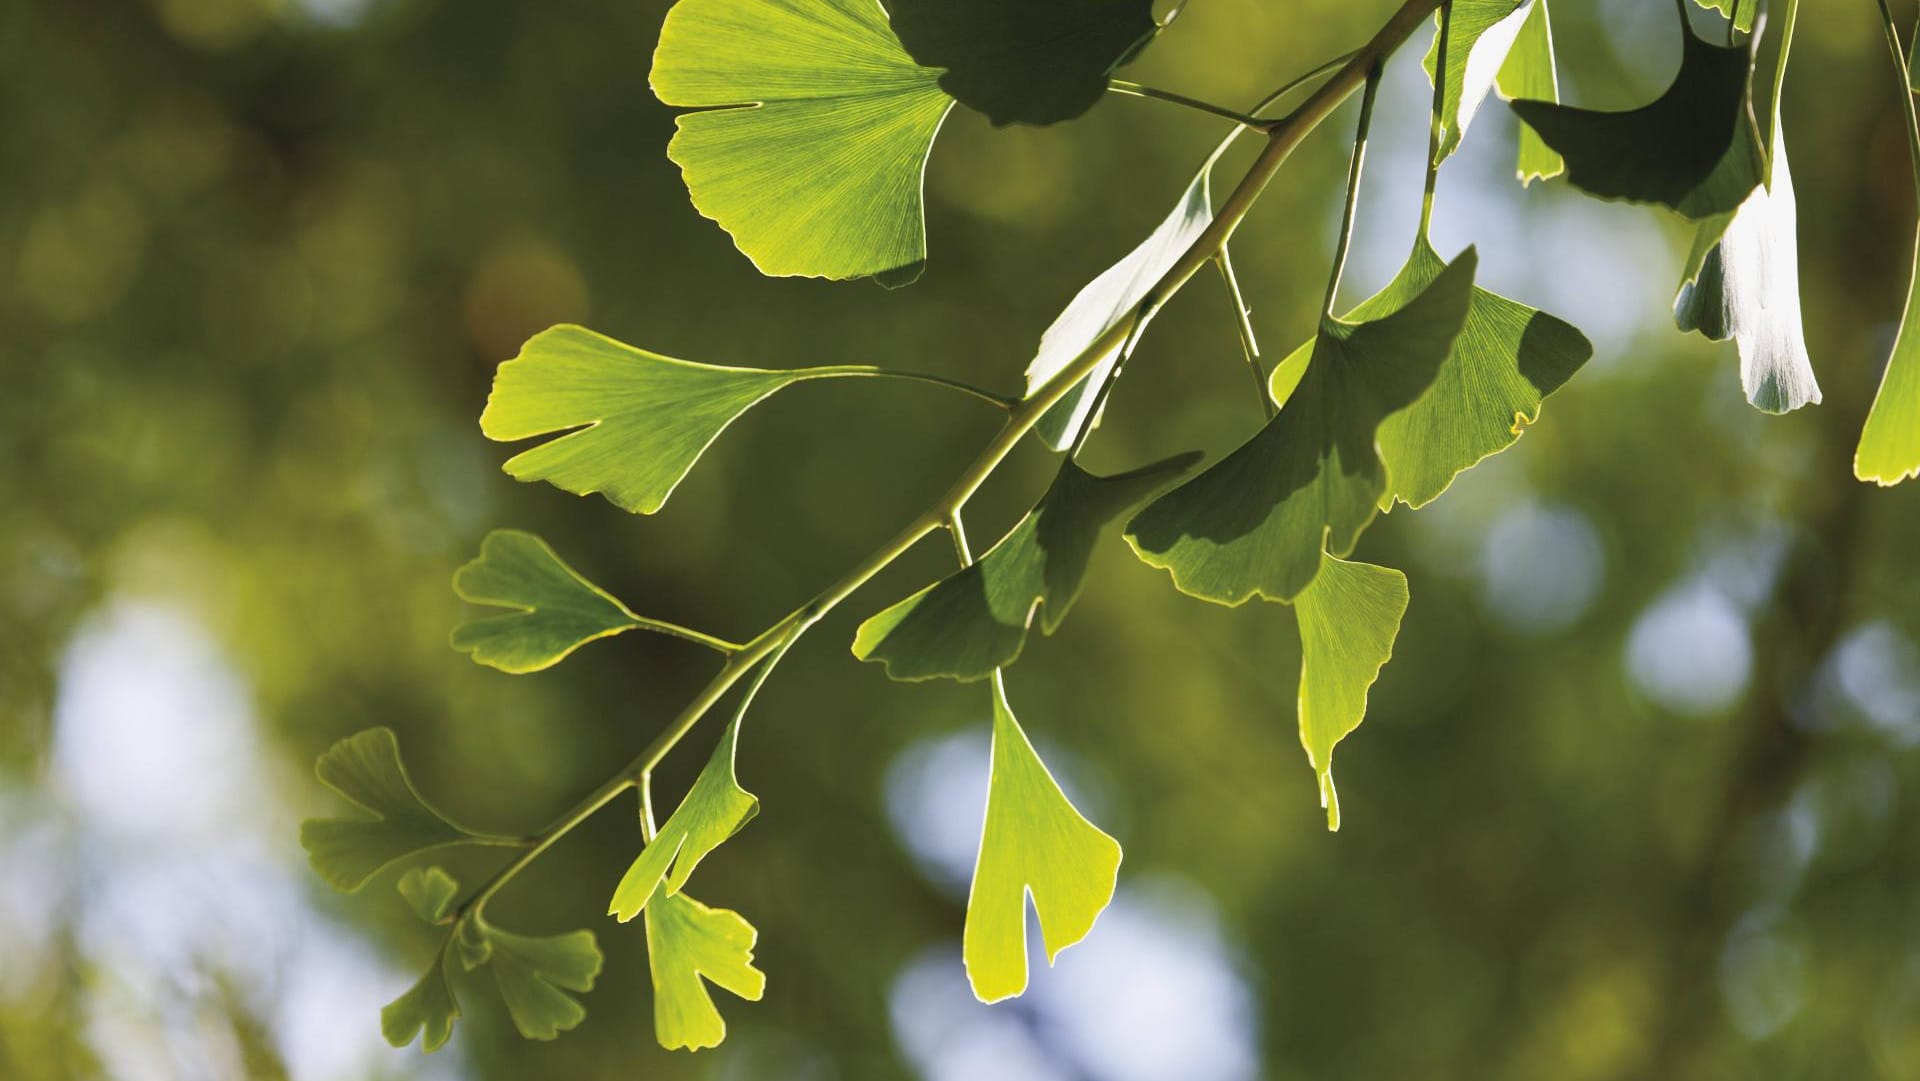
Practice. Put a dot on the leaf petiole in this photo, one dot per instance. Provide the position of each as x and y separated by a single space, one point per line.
1139 90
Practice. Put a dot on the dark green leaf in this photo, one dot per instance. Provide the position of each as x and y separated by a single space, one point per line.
427 1009
430 892
1480 34
1530 72
366 769
535 972
1740 12
558 610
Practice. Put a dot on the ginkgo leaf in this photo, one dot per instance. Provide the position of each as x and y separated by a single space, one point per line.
714 809
1034 844
535 972
1694 149
1889 450
975 620
1506 359
1349 617
558 610
366 769
428 1010
1106 301
1744 283
812 135
688 946
1257 520
634 421
430 892
1740 12
1480 34
1530 73
1025 62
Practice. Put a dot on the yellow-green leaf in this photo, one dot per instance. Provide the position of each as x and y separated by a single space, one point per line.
1740 12
715 808
1480 34
1889 450
558 611
689 945
1530 73
1349 617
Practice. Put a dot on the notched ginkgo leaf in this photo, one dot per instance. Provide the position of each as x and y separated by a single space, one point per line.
1504 362
714 809
1480 34
1530 73
812 135
366 770
688 946
1103 303
430 892
1744 283
634 422
1034 844
1349 617
1694 149
1255 522
1740 12
976 620
1023 62
535 973
427 1010
558 611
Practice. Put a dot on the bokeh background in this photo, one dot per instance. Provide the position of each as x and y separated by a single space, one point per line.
1634 799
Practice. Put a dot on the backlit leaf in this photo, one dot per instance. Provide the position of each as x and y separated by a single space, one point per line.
1480 35
812 135
1349 617
1741 12
1506 359
1889 450
428 1010
430 892
634 421
976 619
535 974
714 809
366 769
1530 73
688 946
558 610
1257 520
1021 61
1694 149
1034 844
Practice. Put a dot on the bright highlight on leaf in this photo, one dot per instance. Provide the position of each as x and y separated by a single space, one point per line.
814 132
1506 359
1480 35
1034 844
976 620
634 421
1349 617
715 808
430 892
1022 61
366 769
1694 149
535 974
427 1010
1740 12
1889 450
1530 73
559 611
1257 520
688 946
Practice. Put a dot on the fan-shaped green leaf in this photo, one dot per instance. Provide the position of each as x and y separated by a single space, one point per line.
1257 520
558 610
428 1009
1530 73
366 769
813 135
688 946
1034 844
1889 450
430 892
976 620
1694 149
1480 35
634 421
535 972
714 809
1349 617
1020 61
1506 359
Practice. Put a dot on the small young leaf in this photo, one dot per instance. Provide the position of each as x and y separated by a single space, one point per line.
535 972
1530 73
715 808
1104 302
430 892
366 769
1694 149
687 941
1257 520
1034 844
1506 360
1349 617
635 421
1020 61
975 620
1744 283
1741 12
558 610
1889 450
1480 35
812 135
428 1009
